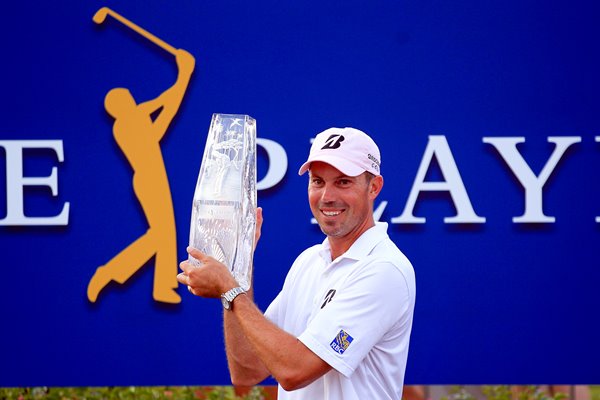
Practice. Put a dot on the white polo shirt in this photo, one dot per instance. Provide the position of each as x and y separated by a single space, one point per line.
355 313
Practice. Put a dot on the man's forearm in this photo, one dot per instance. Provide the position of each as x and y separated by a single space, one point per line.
255 346
245 368
291 363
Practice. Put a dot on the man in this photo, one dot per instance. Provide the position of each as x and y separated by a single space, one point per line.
340 327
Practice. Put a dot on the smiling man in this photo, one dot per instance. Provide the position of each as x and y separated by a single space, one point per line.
340 327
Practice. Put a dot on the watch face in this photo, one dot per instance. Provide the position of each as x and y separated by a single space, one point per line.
226 304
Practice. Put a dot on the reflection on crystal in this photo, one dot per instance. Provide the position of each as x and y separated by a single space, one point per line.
224 207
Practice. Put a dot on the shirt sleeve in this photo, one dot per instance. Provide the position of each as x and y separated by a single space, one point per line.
365 309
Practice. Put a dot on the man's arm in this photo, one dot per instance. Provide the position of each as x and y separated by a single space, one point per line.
245 368
290 362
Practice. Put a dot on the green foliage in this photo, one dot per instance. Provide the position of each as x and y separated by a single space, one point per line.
500 392
129 393
503 392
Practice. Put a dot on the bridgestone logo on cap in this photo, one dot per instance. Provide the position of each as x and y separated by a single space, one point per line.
333 142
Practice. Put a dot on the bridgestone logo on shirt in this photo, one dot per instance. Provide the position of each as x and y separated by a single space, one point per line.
328 297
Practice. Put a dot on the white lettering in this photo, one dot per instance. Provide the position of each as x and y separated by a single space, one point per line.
533 185
379 210
438 147
15 182
278 163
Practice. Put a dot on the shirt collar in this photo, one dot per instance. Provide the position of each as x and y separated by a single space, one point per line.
361 246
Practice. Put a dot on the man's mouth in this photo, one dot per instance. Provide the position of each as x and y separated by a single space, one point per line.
331 213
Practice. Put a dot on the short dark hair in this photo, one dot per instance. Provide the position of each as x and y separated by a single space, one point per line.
369 176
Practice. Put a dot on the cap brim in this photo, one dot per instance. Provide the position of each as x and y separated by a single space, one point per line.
344 166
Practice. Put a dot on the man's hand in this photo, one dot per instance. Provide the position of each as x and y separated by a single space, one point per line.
210 279
185 61
259 222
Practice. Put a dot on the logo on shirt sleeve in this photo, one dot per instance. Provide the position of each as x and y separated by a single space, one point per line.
341 342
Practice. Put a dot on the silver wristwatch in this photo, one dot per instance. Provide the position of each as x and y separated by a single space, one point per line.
227 297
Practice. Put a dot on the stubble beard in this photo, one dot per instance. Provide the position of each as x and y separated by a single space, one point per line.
331 231
331 228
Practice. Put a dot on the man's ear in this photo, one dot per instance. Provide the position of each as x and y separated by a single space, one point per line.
375 187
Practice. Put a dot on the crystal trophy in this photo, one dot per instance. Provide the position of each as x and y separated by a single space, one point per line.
224 208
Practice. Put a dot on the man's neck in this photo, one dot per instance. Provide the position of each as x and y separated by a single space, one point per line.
339 245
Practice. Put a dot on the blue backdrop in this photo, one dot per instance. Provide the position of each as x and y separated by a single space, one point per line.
498 302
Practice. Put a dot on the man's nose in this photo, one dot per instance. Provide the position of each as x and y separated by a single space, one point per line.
329 193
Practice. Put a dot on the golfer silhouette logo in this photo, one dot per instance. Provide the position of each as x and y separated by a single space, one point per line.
138 135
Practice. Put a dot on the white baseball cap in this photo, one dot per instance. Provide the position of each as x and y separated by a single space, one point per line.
347 149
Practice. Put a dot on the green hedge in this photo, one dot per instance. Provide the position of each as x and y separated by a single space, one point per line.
130 393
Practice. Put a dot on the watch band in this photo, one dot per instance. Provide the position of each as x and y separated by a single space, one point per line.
228 297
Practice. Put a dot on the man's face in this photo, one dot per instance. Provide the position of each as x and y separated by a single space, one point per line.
341 204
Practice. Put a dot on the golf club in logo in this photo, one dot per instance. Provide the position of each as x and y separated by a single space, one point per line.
102 13
138 131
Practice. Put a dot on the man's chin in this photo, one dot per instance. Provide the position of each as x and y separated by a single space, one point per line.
331 230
